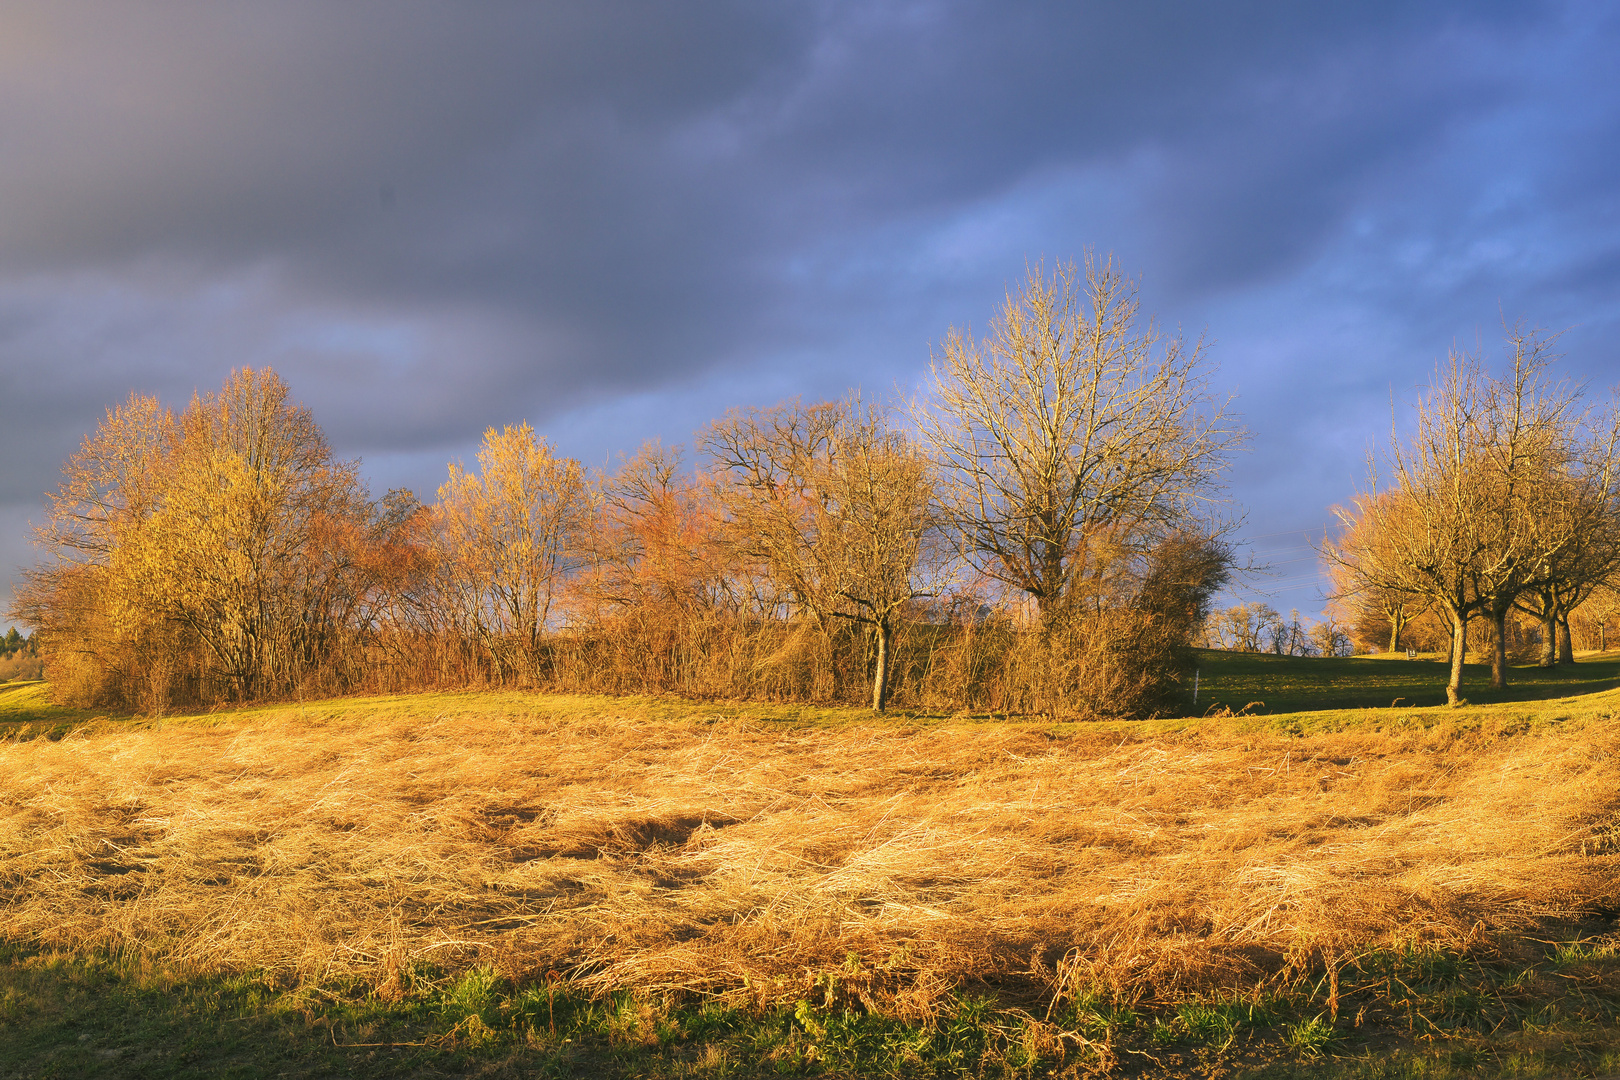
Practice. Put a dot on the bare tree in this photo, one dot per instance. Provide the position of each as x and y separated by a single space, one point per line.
1246 628
1573 525
656 543
1528 420
1328 638
1423 536
1384 610
1480 513
1073 437
837 506
1600 606
1290 638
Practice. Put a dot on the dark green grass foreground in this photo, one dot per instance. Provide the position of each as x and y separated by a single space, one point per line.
1267 684
1553 1013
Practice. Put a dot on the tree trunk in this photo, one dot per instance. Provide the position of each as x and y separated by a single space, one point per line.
1499 650
1459 649
1566 648
1549 639
880 677
1396 624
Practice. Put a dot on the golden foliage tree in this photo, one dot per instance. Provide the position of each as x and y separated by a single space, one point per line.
212 542
510 534
80 596
235 553
1379 608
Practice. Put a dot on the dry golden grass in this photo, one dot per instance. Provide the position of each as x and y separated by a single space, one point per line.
743 856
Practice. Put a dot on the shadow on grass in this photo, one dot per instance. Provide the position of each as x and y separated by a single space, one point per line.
26 712
1532 1009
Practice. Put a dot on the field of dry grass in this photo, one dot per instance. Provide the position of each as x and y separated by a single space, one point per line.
657 845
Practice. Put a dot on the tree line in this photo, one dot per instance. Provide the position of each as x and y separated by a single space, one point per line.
1041 532
1499 506
1258 627
19 656
17 644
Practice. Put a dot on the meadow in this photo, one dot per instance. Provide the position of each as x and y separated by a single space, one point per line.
510 884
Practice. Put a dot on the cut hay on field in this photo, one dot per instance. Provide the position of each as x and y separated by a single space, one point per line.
745 857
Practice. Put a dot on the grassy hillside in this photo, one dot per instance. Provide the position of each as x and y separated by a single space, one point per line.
517 884
26 709
1264 683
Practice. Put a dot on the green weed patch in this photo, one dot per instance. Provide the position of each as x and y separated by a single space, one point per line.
1402 1013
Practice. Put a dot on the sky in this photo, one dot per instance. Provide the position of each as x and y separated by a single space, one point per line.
618 220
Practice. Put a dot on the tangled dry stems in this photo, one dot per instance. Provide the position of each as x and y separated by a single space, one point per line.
749 858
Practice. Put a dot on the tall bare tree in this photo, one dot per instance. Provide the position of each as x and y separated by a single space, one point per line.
1527 419
1073 437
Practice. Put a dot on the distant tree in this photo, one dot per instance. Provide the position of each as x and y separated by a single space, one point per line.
1250 627
1600 607
1330 638
1290 637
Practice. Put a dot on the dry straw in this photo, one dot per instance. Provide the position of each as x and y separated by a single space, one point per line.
744 858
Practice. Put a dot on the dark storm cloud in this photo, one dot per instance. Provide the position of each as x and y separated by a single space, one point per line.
571 164
433 217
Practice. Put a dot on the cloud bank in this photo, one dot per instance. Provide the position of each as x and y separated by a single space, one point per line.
618 219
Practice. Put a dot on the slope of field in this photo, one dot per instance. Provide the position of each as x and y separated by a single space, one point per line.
1264 683
759 856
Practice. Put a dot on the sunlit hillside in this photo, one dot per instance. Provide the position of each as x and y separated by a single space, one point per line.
1087 880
